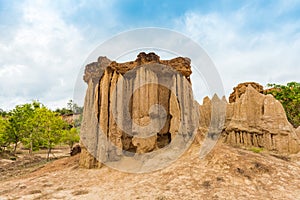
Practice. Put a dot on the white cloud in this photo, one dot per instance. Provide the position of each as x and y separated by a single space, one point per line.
42 58
264 56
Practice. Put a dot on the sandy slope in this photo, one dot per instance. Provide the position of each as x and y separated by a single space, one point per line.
226 173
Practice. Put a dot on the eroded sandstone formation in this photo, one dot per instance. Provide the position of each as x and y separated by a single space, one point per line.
255 120
241 89
212 116
119 118
260 120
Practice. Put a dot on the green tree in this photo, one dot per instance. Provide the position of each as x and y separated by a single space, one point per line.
289 96
49 128
70 104
70 137
4 138
32 141
31 138
17 128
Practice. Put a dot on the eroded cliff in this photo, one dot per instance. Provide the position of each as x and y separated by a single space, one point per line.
136 107
254 120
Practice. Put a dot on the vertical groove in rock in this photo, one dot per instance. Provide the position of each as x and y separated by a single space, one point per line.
114 134
174 110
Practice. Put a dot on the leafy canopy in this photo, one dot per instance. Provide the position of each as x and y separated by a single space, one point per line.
289 96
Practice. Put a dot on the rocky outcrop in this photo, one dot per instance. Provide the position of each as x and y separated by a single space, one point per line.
136 107
253 120
211 123
259 120
212 115
241 89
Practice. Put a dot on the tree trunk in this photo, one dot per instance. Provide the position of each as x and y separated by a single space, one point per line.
48 155
15 148
30 150
71 145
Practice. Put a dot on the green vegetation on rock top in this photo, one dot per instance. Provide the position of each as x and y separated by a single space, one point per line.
289 96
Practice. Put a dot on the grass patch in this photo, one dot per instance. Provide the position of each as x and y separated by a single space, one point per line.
256 149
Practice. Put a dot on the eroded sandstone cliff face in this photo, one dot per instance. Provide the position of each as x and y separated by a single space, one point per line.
135 107
241 89
260 120
254 120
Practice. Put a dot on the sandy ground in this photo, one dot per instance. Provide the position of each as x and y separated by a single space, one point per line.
26 163
226 173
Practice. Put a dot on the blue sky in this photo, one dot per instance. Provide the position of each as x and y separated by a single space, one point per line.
43 44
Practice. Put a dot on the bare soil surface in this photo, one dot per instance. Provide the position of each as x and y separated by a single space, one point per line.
226 173
23 163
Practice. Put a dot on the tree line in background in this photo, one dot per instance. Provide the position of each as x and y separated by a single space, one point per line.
35 127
